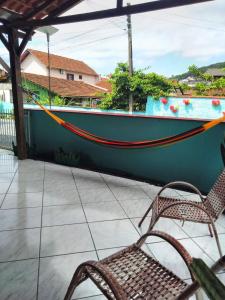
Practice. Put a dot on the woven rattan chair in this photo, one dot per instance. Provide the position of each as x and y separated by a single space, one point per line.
206 211
132 274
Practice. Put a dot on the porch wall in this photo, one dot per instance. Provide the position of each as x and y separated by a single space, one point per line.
197 160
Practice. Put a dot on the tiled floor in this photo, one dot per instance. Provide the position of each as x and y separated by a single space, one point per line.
52 218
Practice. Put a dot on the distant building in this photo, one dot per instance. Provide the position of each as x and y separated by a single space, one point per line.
36 62
5 87
190 81
72 91
216 73
105 83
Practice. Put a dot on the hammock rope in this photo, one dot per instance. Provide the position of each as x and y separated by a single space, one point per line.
135 144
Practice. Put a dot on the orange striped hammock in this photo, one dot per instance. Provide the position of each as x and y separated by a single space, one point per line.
132 144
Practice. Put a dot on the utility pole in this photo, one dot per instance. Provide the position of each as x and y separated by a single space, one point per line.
48 30
49 71
130 56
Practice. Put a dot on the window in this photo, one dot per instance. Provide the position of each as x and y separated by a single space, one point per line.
70 76
61 71
80 77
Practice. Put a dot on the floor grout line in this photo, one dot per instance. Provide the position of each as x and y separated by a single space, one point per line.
8 188
39 254
126 214
87 222
85 214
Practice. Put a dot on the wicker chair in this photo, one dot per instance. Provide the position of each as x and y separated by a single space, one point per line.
132 274
206 211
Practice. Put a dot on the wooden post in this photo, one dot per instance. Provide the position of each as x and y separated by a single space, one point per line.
17 92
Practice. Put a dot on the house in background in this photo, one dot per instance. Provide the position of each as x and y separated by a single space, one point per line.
216 73
105 83
70 79
5 87
191 81
36 62
74 92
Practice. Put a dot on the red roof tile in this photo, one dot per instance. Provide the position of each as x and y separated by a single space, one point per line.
105 84
60 62
63 87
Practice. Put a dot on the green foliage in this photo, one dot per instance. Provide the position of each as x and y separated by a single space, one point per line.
196 72
140 84
201 88
220 65
193 69
208 83
218 84
58 101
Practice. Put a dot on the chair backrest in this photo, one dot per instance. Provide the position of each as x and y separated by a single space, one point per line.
215 200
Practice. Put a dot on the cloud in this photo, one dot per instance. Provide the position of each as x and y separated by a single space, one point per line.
194 32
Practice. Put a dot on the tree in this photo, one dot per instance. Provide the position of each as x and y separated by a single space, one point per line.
194 70
140 84
208 82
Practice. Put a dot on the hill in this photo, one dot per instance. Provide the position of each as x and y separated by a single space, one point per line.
220 65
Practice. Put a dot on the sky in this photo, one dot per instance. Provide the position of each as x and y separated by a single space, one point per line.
165 41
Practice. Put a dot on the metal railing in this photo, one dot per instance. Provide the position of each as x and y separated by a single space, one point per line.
7 129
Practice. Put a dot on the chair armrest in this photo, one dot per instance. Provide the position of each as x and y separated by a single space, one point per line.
172 241
184 184
106 275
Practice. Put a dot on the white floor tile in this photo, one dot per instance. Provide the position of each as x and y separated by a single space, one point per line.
65 239
22 200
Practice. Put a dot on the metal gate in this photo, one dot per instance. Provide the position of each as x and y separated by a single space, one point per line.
7 129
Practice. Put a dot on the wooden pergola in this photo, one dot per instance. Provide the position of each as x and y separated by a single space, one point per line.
19 19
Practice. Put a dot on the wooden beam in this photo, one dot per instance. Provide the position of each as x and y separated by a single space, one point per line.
17 93
4 41
119 3
3 29
5 65
37 10
24 42
63 8
109 13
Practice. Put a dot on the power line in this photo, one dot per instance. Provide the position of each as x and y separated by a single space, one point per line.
92 5
94 41
197 19
188 24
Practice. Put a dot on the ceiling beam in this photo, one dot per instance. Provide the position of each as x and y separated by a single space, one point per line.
4 65
4 41
109 13
37 10
25 40
63 8
4 30
119 3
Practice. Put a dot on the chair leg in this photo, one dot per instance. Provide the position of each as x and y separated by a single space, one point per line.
217 239
76 280
145 215
210 230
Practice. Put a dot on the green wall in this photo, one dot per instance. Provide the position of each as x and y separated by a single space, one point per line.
197 160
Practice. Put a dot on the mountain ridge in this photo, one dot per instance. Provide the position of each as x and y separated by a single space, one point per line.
219 65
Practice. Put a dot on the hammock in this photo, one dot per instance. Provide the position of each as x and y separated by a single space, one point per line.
136 144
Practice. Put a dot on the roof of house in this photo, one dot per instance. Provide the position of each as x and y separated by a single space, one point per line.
60 62
63 87
105 83
25 8
215 72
